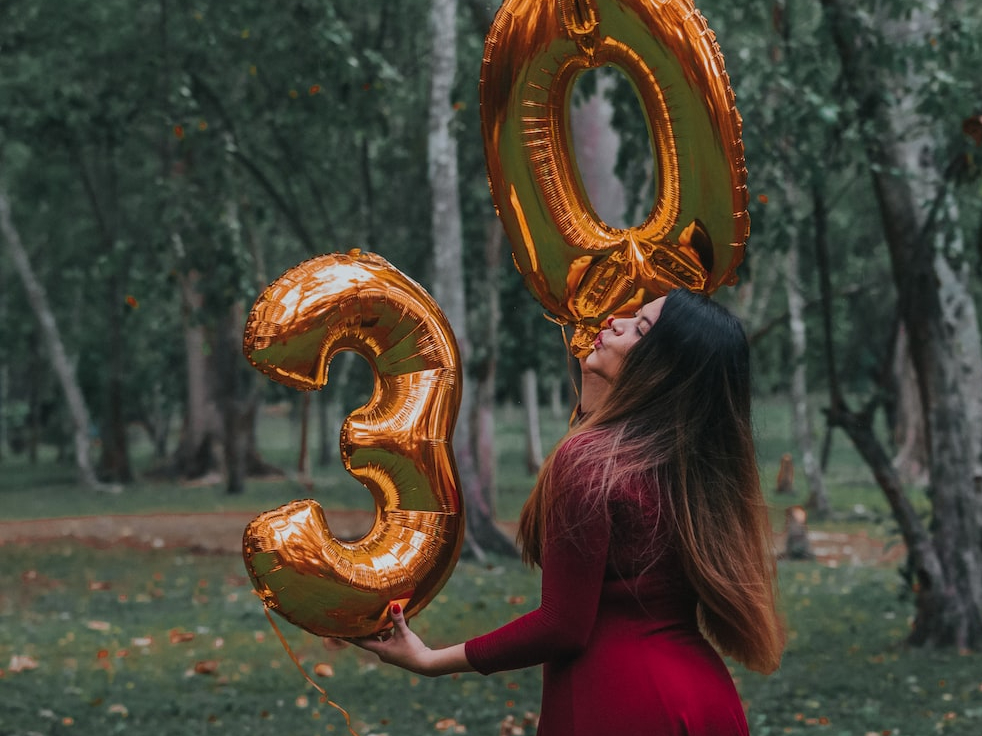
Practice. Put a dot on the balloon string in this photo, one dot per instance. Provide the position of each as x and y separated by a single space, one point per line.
322 691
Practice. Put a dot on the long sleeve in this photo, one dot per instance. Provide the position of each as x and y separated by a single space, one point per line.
572 579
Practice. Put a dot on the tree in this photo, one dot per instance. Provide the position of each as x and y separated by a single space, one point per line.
61 363
911 176
448 284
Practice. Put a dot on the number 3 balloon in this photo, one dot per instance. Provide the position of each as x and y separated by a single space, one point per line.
580 268
398 445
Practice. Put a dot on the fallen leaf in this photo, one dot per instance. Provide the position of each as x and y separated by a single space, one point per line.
100 585
177 637
206 666
324 670
21 662
98 625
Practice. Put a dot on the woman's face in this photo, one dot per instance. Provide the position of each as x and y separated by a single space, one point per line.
621 334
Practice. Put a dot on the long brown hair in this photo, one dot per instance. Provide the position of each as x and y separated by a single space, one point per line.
677 416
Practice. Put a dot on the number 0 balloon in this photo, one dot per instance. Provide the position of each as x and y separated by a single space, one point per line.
580 268
398 445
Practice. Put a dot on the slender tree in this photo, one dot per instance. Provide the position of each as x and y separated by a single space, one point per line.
62 365
912 182
448 283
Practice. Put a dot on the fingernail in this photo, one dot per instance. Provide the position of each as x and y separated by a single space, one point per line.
396 608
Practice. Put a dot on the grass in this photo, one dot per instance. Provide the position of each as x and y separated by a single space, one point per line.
132 641
117 636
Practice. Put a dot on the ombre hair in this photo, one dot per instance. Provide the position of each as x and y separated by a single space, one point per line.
677 417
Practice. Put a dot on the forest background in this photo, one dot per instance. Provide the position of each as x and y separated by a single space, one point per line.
161 162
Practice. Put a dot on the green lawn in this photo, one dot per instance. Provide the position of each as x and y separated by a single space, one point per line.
132 641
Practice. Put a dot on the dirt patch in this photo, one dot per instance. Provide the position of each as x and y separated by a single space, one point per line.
838 549
207 532
222 533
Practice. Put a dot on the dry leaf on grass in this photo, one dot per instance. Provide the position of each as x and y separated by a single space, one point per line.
177 637
21 662
206 667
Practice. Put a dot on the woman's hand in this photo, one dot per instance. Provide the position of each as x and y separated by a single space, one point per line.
401 647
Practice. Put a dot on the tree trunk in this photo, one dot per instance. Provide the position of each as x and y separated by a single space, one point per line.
333 413
486 368
4 370
448 281
938 312
303 455
323 424
197 452
38 299
595 143
796 546
3 407
237 397
114 462
533 428
908 417
818 499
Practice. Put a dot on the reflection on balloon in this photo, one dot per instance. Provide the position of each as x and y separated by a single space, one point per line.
398 445
580 268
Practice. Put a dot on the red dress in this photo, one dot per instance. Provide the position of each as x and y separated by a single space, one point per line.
621 647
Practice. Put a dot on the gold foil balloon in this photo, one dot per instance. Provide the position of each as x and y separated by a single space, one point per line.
581 269
398 445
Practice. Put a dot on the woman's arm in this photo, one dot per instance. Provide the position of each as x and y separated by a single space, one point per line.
573 566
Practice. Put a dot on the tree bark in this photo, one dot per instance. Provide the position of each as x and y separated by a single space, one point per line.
197 453
595 143
448 281
114 462
486 367
60 363
910 459
938 312
533 428
818 499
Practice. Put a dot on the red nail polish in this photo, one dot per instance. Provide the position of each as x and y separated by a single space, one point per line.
396 608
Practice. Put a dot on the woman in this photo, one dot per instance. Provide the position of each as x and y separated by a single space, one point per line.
651 531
